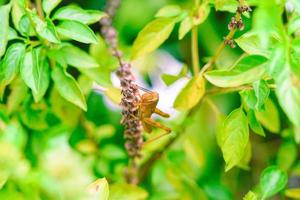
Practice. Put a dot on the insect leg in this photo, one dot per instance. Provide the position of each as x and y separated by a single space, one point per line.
153 123
161 113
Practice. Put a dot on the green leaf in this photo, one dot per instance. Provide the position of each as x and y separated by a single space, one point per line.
272 180
18 10
269 118
201 14
250 196
287 82
294 24
254 124
262 92
249 42
12 34
170 79
226 5
234 138
9 67
247 70
49 5
287 155
73 56
76 13
169 11
35 73
152 36
99 189
191 94
25 27
4 30
68 88
77 31
244 162
127 192
185 26
45 29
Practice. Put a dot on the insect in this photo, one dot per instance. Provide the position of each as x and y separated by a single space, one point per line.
147 106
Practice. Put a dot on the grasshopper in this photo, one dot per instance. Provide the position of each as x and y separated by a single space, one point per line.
147 106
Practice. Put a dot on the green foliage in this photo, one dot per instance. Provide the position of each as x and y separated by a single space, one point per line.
239 109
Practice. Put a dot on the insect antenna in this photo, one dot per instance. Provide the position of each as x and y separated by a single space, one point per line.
143 89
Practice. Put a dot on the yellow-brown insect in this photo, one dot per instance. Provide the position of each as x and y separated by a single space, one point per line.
147 106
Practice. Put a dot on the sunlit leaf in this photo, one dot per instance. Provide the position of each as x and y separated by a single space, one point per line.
254 124
4 24
49 5
248 70
74 56
185 26
272 180
76 13
234 138
191 94
226 5
127 192
68 88
18 10
269 118
76 31
99 189
152 36
169 11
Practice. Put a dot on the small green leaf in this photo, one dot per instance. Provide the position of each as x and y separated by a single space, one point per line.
191 94
12 34
269 118
127 192
45 29
152 36
201 15
169 11
35 73
170 79
185 26
10 65
4 24
49 5
71 55
234 138
25 27
77 31
262 92
250 196
248 70
76 13
254 124
287 155
272 180
68 88
226 5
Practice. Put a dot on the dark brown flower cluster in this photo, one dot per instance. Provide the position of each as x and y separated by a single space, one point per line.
236 23
129 89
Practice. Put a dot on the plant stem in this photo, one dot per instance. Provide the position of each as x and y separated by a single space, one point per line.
195 50
39 8
194 46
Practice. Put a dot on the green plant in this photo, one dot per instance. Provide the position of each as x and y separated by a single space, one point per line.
240 105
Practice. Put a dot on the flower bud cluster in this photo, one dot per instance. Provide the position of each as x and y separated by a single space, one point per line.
129 89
